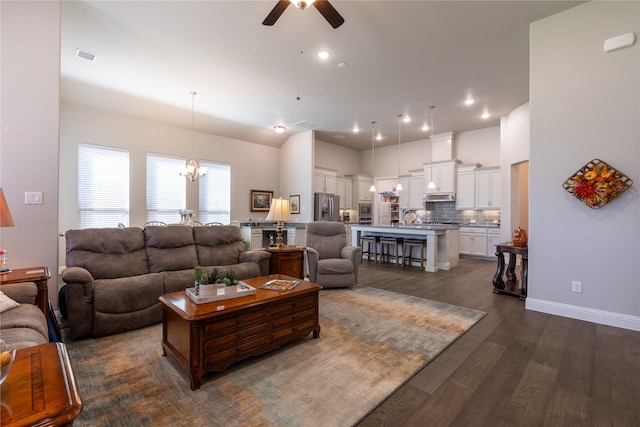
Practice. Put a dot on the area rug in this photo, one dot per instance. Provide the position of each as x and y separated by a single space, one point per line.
371 342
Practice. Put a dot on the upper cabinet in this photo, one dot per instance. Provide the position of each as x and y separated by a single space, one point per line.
403 199
466 187
416 191
477 188
488 188
442 174
361 185
324 181
344 189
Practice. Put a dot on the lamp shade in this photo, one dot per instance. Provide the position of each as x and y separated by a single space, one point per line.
279 210
5 213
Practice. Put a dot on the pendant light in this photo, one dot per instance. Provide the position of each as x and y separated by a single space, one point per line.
192 171
431 185
399 186
373 147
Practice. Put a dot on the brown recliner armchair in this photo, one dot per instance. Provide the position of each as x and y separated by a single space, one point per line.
332 262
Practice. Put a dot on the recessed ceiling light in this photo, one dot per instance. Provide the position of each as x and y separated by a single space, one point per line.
356 129
323 54
406 119
469 101
425 127
379 137
485 115
279 129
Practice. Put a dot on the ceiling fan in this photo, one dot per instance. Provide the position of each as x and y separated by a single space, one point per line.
324 7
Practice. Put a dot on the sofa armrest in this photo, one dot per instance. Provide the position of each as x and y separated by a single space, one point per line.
353 253
312 261
260 257
22 293
79 286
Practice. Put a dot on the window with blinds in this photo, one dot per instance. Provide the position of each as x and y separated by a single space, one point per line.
103 186
166 189
215 194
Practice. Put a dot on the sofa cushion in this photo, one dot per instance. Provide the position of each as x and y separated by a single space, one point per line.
23 292
108 253
25 316
170 248
219 245
127 294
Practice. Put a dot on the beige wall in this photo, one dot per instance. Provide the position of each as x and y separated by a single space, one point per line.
584 105
30 75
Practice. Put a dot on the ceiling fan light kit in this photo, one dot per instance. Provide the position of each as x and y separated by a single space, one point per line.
323 6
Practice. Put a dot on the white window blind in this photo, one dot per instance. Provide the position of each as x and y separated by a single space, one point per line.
215 194
166 189
103 186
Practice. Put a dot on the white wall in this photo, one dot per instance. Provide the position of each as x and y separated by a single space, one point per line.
29 99
296 173
585 104
478 146
331 156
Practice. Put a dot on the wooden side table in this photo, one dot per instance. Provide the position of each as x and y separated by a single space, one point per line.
39 275
510 287
40 389
287 260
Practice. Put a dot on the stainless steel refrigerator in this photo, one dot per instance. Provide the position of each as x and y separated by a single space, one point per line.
326 207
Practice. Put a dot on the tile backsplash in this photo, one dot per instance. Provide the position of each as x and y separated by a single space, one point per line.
446 212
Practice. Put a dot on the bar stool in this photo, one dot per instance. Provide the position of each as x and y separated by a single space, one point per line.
408 245
385 248
372 247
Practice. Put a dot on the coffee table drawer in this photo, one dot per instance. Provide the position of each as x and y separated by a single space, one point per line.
300 329
233 324
294 318
235 338
293 306
220 360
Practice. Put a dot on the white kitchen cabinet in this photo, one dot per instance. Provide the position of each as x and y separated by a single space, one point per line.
465 187
403 198
473 241
416 192
344 189
443 175
487 188
360 189
324 181
493 239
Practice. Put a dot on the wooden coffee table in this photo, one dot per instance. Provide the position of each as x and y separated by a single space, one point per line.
40 388
209 337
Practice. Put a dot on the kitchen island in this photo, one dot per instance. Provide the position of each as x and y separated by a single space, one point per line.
442 241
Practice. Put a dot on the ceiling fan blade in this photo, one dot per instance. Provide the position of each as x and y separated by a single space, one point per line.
329 12
275 13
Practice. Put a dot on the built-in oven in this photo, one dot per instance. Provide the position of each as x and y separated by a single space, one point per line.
365 212
269 236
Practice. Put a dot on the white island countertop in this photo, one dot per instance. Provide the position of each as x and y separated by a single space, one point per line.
441 240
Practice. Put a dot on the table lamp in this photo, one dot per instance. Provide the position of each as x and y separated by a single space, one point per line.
5 221
279 211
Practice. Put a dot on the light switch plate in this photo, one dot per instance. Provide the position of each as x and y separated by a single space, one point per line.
33 198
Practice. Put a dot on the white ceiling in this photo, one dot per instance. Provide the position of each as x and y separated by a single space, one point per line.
401 58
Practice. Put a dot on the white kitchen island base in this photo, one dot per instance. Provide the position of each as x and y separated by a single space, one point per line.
442 241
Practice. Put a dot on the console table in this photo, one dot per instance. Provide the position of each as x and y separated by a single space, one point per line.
511 286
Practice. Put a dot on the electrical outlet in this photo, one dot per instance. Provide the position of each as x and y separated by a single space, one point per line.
576 286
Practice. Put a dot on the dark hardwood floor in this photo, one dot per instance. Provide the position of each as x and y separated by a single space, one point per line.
515 367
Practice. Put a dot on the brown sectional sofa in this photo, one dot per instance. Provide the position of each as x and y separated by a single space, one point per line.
114 276
25 325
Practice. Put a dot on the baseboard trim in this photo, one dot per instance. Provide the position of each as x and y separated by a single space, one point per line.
583 313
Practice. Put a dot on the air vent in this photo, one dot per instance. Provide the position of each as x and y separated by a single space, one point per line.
83 54
306 125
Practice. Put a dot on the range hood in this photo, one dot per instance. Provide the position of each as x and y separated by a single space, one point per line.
441 197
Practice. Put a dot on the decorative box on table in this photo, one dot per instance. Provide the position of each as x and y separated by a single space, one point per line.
218 292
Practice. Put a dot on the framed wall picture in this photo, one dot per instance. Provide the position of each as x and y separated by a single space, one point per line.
261 200
294 204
